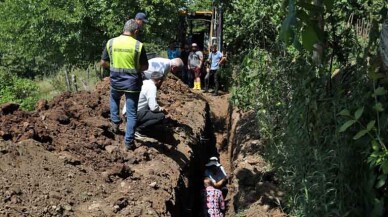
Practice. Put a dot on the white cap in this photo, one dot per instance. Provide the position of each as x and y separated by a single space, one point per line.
213 161
194 45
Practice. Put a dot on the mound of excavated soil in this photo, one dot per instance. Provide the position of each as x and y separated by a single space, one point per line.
62 160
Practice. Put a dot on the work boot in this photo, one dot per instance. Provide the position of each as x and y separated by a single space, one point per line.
195 85
114 127
130 146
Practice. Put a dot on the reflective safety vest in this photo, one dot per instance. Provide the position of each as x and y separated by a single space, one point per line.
124 55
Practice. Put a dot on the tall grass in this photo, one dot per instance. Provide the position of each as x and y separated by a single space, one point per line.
55 84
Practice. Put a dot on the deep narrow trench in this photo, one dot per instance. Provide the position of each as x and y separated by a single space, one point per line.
192 204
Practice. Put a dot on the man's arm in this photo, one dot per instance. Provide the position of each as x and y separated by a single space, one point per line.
151 98
105 64
143 60
105 59
188 62
220 183
222 60
200 60
221 201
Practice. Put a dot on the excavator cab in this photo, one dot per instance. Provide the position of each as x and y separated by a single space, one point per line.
201 27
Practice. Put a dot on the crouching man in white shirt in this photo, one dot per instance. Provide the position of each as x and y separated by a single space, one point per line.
163 66
148 110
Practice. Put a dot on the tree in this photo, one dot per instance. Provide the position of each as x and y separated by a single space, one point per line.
42 35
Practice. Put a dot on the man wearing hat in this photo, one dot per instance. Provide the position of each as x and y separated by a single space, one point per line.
140 19
216 172
195 62
148 111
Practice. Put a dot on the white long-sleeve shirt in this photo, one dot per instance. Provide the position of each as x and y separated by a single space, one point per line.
147 98
158 64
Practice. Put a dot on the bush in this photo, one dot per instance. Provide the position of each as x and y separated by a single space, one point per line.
18 90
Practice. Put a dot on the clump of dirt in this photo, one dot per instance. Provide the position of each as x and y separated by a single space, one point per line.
63 160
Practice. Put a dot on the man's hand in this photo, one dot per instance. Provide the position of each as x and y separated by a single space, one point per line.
105 64
220 183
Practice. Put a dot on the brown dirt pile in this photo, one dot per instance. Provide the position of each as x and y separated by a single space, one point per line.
62 160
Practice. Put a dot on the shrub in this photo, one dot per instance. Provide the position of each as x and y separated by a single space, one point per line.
19 90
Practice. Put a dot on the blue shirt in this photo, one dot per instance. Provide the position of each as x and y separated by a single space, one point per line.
172 54
214 59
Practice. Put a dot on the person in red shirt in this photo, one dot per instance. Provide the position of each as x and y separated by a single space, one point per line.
213 201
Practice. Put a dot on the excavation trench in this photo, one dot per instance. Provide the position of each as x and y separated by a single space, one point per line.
212 141
86 173
188 194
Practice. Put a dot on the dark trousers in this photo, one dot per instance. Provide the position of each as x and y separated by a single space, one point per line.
147 118
207 80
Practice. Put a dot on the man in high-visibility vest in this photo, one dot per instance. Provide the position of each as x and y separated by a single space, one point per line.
126 58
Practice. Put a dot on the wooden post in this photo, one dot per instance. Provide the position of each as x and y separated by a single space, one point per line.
95 69
74 80
88 71
86 87
68 86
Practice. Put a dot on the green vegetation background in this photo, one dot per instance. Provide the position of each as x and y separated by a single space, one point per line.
41 39
310 69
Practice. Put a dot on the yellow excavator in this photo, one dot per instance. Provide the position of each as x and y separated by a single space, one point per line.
201 27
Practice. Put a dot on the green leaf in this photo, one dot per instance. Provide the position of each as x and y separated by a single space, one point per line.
309 38
375 145
384 166
346 125
286 34
370 125
380 183
378 107
344 112
360 134
380 91
358 113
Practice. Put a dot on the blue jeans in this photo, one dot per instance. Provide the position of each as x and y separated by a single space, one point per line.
131 100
